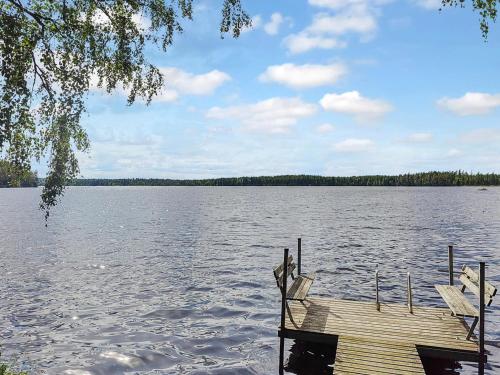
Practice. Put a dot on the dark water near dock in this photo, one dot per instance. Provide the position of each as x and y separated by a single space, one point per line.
179 279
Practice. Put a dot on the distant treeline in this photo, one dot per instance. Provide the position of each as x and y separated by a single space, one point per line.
12 176
458 178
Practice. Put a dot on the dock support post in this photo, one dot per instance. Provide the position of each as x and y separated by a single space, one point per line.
410 297
481 317
450 263
299 255
377 302
283 310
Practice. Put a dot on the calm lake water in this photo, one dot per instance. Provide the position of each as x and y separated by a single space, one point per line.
178 280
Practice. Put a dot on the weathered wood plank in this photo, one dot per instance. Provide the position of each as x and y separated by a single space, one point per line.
300 287
356 356
474 277
474 288
393 324
278 270
456 300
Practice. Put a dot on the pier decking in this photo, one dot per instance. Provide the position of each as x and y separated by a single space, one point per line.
383 334
325 319
384 338
367 357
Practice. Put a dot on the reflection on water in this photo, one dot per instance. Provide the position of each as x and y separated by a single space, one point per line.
308 358
178 279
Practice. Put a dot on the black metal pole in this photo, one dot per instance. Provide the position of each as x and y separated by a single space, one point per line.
299 255
481 317
450 263
283 310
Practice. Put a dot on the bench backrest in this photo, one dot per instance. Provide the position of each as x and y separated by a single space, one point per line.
470 279
279 271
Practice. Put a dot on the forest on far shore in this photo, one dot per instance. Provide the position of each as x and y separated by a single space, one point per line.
457 178
10 178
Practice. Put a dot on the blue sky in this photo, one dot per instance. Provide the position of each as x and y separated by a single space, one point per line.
330 87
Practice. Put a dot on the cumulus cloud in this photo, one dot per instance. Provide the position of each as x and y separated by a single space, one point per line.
179 82
274 115
352 16
194 84
303 42
337 4
354 145
352 103
419 138
325 128
273 26
472 103
256 24
354 20
303 76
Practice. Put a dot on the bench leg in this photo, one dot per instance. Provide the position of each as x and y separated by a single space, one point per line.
472 327
282 352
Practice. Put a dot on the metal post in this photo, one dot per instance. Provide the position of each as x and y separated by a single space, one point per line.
283 310
377 302
450 263
410 297
299 255
481 318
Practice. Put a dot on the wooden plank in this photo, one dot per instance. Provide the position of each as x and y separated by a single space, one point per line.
355 356
474 288
474 277
299 289
320 318
278 270
456 301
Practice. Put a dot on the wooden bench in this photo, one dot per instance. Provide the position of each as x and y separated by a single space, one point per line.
457 301
300 283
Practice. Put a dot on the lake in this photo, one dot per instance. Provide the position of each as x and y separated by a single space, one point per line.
178 280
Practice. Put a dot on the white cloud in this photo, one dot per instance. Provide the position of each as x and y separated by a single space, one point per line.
353 16
141 21
337 4
178 82
472 103
303 42
274 115
273 26
353 103
429 4
419 138
355 20
334 4
256 24
194 84
453 152
325 128
303 76
354 145
484 135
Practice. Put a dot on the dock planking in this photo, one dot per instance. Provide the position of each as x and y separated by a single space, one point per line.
373 357
388 338
327 319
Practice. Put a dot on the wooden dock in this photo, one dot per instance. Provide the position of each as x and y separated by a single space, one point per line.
367 357
383 334
383 338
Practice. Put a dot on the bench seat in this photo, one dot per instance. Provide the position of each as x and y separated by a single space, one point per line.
300 287
456 301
